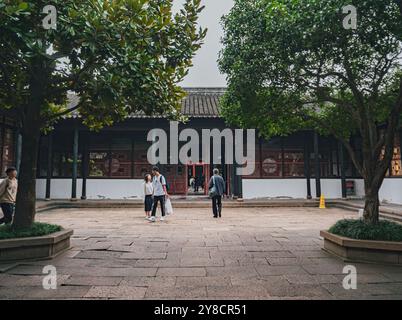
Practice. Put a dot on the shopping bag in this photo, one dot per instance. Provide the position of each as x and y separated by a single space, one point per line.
168 207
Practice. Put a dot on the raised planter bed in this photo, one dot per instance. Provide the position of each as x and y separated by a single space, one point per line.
352 250
32 248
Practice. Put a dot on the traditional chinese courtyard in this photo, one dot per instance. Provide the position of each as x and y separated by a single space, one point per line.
251 253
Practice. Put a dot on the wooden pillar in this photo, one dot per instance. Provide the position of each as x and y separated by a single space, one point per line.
307 169
3 134
317 166
282 157
75 165
85 168
400 143
342 168
49 169
239 177
18 149
223 164
237 192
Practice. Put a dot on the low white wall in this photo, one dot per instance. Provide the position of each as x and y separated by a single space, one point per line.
273 188
96 189
359 187
121 189
59 188
330 188
391 191
114 189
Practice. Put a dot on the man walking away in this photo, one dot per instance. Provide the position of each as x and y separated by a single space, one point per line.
160 192
8 194
219 184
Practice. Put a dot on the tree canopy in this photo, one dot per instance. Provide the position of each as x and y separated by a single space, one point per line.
117 56
292 64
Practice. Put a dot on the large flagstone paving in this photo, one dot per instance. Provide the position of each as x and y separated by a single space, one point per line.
251 253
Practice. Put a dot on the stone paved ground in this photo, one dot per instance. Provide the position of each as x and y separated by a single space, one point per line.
250 253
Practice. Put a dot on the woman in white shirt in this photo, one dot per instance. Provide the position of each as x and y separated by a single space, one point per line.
148 192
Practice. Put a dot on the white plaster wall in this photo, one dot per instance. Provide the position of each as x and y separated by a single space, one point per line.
359 186
330 188
96 189
391 191
114 189
273 188
59 188
40 188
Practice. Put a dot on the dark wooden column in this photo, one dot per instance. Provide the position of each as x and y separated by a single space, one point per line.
3 134
317 166
307 169
239 177
49 169
223 165
237 182
75 165
234 175
18 148
85 167
342 168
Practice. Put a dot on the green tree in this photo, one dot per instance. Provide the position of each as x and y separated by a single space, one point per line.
292 64
117 56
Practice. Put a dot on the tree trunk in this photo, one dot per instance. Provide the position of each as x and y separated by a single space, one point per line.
26 196
372 206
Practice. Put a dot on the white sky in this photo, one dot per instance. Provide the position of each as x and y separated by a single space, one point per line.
205 72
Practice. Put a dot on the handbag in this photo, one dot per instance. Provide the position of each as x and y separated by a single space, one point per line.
213 191
168 207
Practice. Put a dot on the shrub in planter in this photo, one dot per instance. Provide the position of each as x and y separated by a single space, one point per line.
360 230
38 229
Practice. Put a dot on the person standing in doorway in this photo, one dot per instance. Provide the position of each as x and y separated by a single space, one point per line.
219 184
160 193
148 192
8 195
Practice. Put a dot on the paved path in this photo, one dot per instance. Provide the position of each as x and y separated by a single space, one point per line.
251 253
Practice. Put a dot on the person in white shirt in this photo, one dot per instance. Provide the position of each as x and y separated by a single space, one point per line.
148 193
160 193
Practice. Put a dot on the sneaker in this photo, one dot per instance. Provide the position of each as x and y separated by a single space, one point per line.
152 219
162 218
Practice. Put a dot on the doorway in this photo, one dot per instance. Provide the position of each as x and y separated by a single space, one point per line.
197 178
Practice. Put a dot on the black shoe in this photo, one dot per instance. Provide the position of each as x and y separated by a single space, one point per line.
215 216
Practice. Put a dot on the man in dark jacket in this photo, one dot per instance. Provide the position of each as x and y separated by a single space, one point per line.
220 186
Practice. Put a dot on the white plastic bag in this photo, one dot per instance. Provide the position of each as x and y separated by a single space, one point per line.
168 207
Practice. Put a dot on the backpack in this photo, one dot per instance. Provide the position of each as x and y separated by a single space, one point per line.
167 184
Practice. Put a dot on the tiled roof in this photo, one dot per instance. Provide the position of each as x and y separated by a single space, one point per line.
202 103
199 103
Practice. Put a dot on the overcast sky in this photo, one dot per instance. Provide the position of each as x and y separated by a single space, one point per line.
205 72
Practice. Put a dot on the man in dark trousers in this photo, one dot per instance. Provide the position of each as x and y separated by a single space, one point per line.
217 181
160 193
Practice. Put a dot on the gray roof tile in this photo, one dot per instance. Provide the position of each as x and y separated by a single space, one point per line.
199 103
